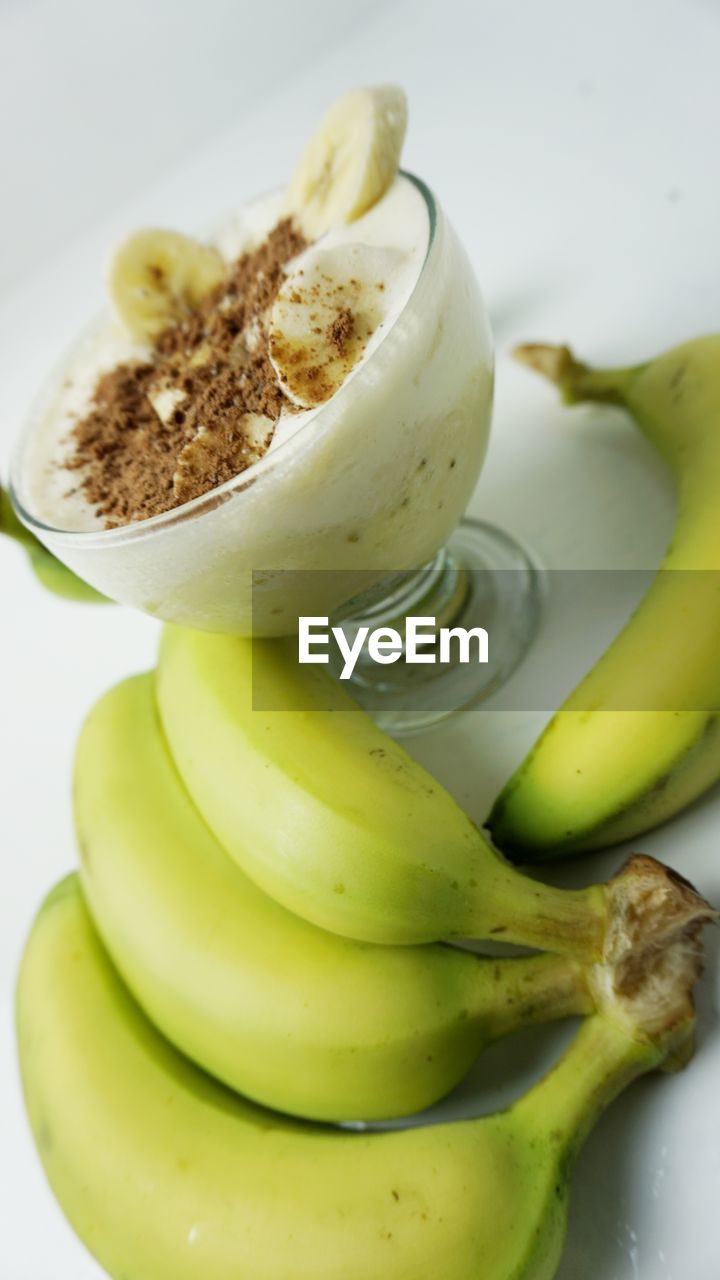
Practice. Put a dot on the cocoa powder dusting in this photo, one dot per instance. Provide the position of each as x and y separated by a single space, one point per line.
201 410
341 329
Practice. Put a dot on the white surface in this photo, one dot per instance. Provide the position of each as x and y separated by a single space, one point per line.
574 146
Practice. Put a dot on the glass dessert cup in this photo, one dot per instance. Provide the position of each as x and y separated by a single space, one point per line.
356 516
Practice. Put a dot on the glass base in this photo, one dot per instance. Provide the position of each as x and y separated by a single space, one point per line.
482 579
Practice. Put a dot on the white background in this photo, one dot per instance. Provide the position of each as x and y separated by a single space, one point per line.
575 145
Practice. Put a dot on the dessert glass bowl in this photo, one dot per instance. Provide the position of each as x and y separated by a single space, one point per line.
352 513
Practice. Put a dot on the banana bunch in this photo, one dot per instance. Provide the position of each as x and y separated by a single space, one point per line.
288 1014
639 739
166 972
166 1175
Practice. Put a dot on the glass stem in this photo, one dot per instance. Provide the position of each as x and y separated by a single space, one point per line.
438 590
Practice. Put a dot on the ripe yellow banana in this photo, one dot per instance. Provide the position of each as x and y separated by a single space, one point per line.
639 739
350 161
166 1175
292 1016
339 824
158 277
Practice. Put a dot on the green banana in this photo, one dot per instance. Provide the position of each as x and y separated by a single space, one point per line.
48 570
337 823
166 1175
603 772
292 1016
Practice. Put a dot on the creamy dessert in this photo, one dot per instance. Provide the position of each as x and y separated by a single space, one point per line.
135 429
310 391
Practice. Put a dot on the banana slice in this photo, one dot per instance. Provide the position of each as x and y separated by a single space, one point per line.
351 161
165 399
158 277
214 456
325 313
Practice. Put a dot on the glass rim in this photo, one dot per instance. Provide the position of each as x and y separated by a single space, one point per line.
220 494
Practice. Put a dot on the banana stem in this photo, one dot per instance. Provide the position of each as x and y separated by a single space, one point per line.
511 907
603 1059
530 990
643 994
576 381
641 912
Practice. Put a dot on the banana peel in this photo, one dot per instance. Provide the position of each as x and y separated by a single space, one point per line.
49 571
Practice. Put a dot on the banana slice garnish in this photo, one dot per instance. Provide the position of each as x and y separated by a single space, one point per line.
351 161
166 399
324 315
158 277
